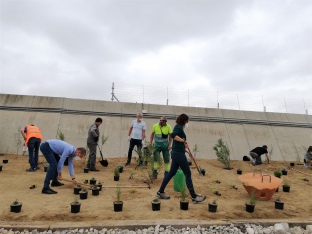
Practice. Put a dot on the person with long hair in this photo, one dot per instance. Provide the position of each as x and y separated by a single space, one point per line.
308 157
179 160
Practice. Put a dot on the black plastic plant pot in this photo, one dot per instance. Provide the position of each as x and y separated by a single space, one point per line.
116 178
92 181
0 167
75 208
45 169
292 164
250 208
5 161
212 208
239 171
83 195
155 206
86 170
118 206
184 205
95 192
279 205
203 172
286 189
99 186
16 208
77 190
284 172
120 169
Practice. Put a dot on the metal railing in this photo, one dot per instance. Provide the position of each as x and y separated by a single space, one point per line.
232 101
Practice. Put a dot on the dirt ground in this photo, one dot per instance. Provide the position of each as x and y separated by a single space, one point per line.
47 209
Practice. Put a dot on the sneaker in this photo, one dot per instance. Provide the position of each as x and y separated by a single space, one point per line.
162 195
253 161
198 198
306 165
93 169
127 164
48 191
56 184
31 170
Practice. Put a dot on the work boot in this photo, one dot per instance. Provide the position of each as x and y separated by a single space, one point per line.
56 184
48 191
198 198
31 170
127 164
162 195
93 169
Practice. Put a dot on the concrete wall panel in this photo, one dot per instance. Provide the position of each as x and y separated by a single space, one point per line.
105 106
296 118
81 104
210 112
233 114
255 115
276 116
47 102
16 100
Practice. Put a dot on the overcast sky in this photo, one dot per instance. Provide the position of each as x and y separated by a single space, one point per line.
77 49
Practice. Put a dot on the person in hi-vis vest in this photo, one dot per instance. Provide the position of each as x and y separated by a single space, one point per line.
32 136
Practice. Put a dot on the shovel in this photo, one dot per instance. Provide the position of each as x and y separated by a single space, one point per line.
103 161
191 156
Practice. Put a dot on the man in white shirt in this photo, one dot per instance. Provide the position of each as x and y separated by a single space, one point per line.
136 135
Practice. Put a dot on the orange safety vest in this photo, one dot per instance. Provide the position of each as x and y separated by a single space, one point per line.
32 131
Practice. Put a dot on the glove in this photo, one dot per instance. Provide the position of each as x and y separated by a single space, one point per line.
129 138
96 139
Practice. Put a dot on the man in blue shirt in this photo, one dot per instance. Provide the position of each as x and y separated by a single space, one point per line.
55 152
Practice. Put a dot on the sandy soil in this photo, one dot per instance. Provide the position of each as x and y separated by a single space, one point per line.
47 209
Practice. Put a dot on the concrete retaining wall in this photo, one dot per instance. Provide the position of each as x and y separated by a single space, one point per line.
288 142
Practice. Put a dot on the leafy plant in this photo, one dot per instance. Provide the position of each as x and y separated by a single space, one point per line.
183 191
156 200
277 173
99 183
214 202
271 152
223 153
78 186
132 172
195 150
61 135
116 171
286 184
16 202
94 187
104 139
252 198
84 190
278 199
76 202
118 193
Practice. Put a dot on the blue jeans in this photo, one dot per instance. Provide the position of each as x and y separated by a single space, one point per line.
52 159
179 160
33 145
133 142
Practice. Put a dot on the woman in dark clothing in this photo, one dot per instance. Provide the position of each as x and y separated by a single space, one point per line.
179 160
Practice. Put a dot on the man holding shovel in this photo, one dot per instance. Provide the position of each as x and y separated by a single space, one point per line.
92 141
55 153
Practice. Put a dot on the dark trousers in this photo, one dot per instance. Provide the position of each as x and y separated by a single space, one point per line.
33 150
52 159
92 155
179 160
133 142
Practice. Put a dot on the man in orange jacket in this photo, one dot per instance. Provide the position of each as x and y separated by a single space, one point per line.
32 136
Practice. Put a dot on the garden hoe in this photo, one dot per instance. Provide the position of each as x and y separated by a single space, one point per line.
103 161
192 157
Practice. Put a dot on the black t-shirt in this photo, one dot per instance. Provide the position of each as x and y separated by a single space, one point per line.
260 150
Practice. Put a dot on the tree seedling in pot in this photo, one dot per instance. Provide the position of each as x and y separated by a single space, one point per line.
233 186
132 172
217 181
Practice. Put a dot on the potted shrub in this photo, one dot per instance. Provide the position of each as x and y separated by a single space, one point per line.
95 190
250 206
75 206
83 194
155 204
286 187
277 174
284 171
239 171
279 204
184 203
16 206
118 204
212 207
116 174
99 185
223 154
92 181
120 168
77 189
